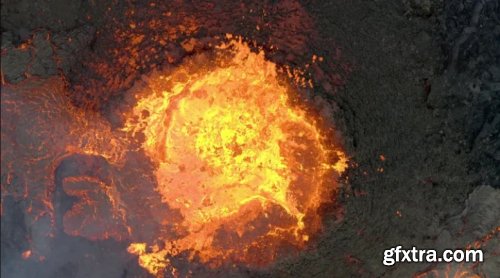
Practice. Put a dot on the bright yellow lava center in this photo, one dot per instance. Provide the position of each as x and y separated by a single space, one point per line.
246 169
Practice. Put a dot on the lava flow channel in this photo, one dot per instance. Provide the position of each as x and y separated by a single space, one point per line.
246 167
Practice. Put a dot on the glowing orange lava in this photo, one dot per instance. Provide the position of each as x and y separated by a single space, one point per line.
246 167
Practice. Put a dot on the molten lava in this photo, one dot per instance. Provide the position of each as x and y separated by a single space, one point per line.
245 165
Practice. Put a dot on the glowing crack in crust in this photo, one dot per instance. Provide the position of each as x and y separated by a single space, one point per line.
246 168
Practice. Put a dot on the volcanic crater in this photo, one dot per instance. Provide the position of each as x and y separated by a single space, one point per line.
247 139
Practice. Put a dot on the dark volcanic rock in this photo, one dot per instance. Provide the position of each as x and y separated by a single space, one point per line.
56 15
43 54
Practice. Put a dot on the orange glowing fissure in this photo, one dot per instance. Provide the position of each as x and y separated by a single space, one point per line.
245 167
